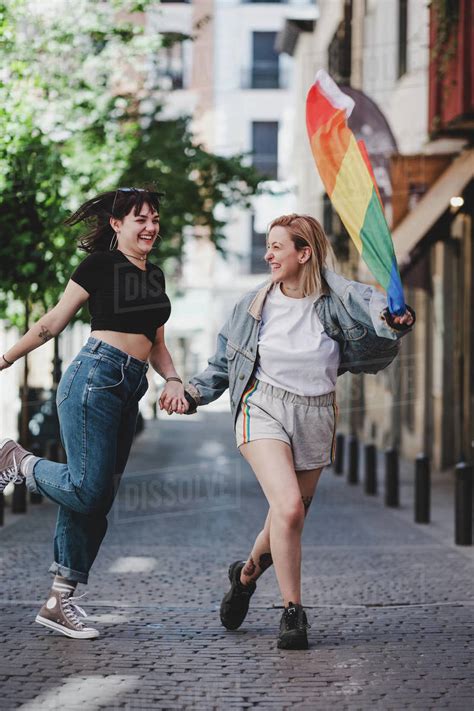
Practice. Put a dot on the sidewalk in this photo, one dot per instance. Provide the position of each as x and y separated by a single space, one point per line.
441 526
390 602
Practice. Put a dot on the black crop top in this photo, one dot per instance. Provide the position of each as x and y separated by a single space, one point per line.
123 297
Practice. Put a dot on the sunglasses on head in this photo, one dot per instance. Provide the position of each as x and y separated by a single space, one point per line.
133 190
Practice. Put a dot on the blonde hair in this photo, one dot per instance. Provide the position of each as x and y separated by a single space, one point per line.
306 231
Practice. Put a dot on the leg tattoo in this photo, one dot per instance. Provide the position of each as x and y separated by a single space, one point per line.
265 561
253 571
249 568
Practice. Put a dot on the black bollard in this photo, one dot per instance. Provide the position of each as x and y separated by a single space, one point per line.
391 478
422 489
19 499
370 483
463 504
339 457
353 472
35 497
2 509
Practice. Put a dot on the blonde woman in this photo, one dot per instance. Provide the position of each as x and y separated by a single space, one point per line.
280 354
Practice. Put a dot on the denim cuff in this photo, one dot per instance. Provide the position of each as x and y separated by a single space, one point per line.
30 478
69 573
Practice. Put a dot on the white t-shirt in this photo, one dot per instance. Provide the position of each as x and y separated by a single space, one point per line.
294 351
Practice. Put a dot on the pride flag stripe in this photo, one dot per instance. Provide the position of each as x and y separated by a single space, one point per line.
367 162
346 172
246 412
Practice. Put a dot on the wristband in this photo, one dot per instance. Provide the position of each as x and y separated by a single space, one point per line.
178 380
7 361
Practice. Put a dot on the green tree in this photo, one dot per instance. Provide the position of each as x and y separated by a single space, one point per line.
193 180
75 120
78 116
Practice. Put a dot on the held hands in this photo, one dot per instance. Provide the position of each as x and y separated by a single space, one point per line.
172 398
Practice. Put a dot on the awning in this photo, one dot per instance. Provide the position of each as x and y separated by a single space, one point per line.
432 206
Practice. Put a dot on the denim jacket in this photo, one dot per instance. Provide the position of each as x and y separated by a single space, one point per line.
353 314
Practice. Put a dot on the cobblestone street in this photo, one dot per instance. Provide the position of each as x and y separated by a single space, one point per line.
390 603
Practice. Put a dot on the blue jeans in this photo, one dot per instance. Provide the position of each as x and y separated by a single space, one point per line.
97 402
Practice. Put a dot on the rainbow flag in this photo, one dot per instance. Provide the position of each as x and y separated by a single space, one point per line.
344 167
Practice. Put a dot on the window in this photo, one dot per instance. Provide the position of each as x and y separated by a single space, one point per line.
258 264
265 147
265 69
335 230
340 48
402 36
170 61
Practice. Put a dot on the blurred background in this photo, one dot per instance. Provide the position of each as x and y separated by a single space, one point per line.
206 99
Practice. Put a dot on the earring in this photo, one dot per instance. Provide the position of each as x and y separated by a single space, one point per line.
113 242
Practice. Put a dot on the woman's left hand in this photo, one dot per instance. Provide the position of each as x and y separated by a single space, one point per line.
406 319
172 398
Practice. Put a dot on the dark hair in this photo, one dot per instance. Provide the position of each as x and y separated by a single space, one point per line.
97 211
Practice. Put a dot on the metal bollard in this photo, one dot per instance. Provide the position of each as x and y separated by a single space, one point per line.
370 482
52 450
391 478
35 497
2 510
422 489
19 499
463 504
353 472
339 458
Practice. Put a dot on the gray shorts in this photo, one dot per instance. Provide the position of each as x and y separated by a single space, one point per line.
307 424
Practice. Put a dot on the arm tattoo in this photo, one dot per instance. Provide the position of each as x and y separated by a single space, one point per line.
44 334
306 503
249 568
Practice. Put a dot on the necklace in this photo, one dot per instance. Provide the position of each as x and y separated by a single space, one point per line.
132 256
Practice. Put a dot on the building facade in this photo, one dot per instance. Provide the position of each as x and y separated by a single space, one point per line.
241 93
415 66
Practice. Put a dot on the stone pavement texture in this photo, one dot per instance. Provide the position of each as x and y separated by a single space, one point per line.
390 602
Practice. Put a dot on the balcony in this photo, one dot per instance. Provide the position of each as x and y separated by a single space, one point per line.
264 75
451 79
266 164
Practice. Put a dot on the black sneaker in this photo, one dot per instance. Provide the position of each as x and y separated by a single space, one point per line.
235 603
293 625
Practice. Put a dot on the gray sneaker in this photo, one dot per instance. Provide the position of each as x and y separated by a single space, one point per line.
11 455
61 612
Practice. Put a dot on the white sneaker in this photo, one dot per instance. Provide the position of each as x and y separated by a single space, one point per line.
61 612
11 455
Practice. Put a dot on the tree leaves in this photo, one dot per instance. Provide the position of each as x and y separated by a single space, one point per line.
79 114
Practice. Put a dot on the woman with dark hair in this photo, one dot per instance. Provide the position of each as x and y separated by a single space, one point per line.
98 395
280 354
